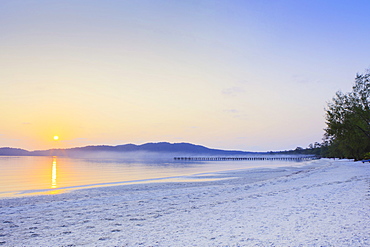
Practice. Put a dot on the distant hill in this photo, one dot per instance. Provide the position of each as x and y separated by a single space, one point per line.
14 152
159 148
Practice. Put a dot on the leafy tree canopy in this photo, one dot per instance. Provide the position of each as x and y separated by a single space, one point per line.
348 121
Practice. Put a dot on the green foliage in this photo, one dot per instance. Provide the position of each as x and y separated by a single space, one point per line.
313 149
348 122
367 156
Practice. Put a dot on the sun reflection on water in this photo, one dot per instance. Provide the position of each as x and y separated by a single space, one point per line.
54 184
54 173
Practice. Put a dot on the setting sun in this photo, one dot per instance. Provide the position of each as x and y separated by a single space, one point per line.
56 138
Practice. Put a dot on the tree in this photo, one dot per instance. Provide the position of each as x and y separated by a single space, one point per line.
348 121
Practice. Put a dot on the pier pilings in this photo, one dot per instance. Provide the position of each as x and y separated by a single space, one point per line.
213 158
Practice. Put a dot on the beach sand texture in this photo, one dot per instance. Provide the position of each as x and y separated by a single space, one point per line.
326 204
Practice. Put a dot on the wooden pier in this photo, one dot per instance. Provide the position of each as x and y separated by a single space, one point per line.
195 158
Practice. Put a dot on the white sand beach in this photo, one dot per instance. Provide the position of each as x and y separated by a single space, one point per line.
324 204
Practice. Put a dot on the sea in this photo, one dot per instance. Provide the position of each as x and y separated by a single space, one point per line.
35 175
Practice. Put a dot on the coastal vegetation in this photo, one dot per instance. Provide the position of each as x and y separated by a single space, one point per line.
347 134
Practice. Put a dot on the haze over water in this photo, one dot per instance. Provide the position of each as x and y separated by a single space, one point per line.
30 175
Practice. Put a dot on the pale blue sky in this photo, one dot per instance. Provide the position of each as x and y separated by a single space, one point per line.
248 75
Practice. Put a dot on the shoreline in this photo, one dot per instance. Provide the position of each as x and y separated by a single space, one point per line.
218 174
326 203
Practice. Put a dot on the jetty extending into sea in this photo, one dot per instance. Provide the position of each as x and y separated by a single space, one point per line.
291 158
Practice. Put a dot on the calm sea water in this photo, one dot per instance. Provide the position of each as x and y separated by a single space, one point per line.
26 175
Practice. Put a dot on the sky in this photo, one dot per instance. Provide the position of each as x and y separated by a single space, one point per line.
237 75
